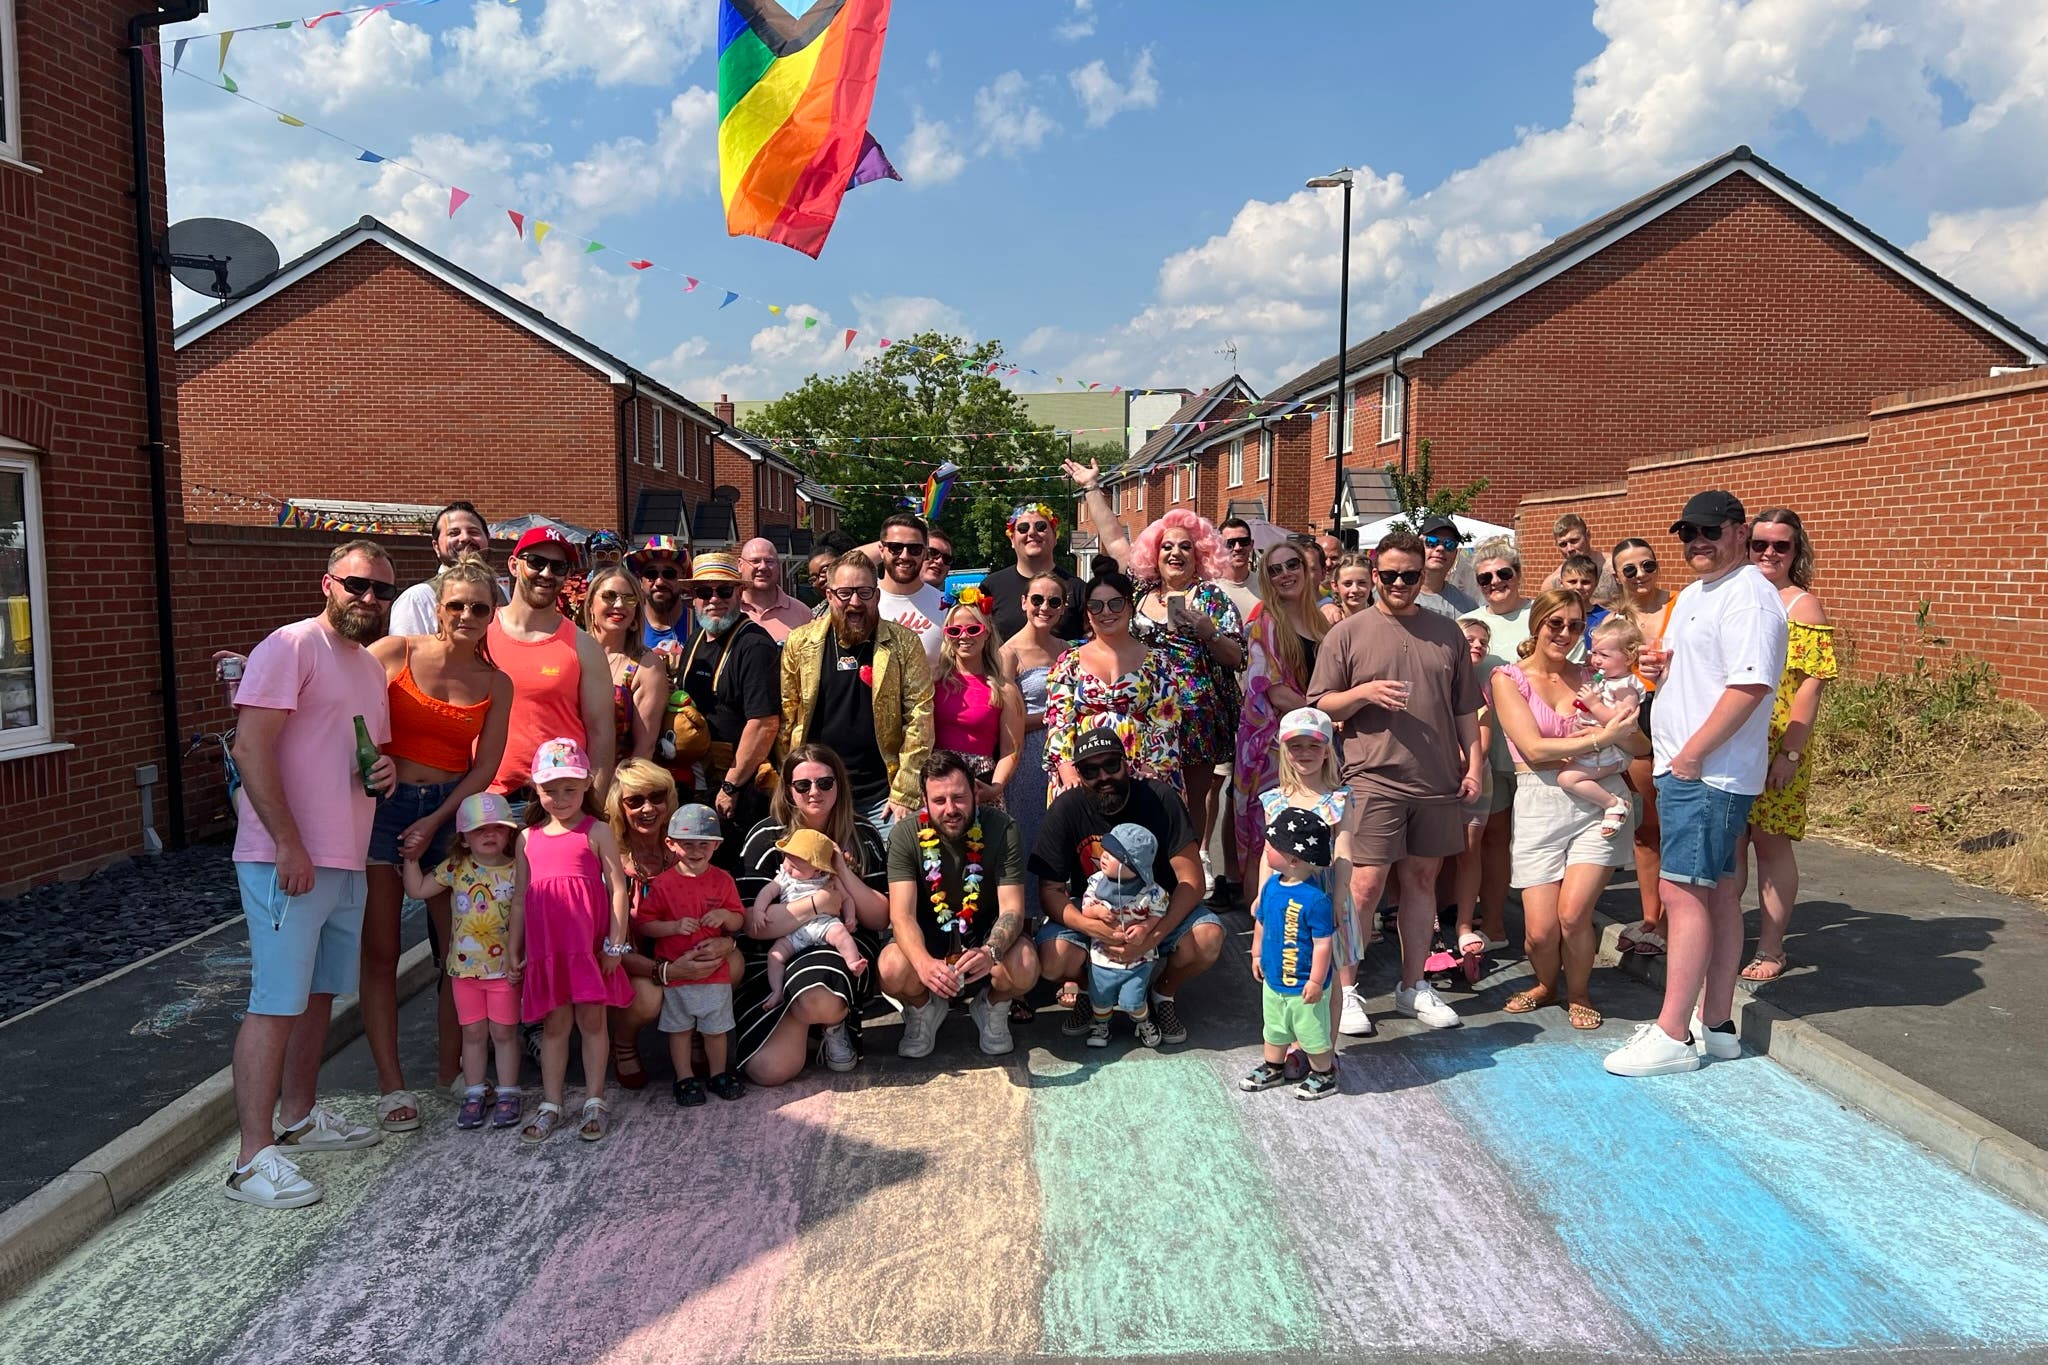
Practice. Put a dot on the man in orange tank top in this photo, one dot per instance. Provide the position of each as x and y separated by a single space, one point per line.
561 684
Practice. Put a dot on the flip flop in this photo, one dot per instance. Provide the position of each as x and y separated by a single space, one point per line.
1649 943
1528 1001
390 1103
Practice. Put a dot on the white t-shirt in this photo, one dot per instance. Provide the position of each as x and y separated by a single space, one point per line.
922 613
418 609
1726 633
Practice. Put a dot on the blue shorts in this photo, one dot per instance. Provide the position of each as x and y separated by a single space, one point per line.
1201 914
1701 825
411 801
301 945
1121 988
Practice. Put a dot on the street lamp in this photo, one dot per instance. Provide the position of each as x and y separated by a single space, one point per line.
1340 410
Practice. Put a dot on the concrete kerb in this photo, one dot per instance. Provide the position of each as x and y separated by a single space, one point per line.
1980 1148
40 1230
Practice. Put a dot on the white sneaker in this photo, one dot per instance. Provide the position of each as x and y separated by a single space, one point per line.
921 1027
837 1047
323 1130
1726 1046
1352 1019
993 1020
1650 1051
1422 1002
272 1182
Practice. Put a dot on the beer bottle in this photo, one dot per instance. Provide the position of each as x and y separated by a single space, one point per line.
366 758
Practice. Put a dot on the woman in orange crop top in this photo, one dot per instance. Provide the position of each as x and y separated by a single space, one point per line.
449 710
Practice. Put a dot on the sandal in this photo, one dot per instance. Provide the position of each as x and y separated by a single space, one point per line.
390 1103
471 1115
1613 818
688 1090
727 1085
1649 943
505 1113
1021 1013
1584 1016
626 1064
1069 995
1764 967
545 1121
1528 1001
596 1119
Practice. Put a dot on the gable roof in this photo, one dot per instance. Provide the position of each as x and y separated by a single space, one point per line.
369 230
1163 441
1452 315
757 449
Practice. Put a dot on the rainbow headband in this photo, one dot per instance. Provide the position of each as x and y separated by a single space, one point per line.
1025 509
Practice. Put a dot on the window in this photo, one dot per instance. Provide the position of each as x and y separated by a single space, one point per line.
1350 406
1393 406
1237 462
24 623
10 91
1194 481
657 440
1265 454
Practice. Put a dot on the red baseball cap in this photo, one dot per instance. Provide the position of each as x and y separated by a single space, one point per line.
548 535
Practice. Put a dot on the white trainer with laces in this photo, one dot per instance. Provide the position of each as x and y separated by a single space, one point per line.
992 1019
1353 1021
323 1130
921 1027
1725 1046
837 1046
1650 1051
272 1181
1422 1002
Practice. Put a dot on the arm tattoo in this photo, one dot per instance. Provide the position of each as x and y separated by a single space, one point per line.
1004 933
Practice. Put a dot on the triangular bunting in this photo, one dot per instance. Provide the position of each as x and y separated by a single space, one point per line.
288 121
729 297
847 345
518 222
225 39
456 199
775 308
593 248
691 285
640 265
178 53
370 157
227 83
810 323
541 231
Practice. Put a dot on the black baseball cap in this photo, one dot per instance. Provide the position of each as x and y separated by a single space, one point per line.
1101 742
1441 524
1711 508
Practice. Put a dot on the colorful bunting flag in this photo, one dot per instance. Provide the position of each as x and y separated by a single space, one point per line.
640 265
316 22
227 83
847 345
371 157
178 53
810 323
518 222
592 248
291 122
541 231
456 199
225 39
691 286
729 297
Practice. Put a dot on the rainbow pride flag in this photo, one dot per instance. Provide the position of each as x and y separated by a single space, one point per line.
795 83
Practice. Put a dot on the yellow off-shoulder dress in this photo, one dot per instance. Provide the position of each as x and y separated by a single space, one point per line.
1809 653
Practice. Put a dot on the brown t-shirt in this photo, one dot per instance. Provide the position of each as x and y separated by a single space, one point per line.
1411 754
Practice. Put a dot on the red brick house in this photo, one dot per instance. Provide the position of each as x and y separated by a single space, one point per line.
372 368
1160 473
1727 305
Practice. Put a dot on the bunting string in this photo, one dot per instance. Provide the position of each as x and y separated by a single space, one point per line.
312 21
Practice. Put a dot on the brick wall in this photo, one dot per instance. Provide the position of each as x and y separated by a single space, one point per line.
71 387
665 449
1313 464
373 379
1936 497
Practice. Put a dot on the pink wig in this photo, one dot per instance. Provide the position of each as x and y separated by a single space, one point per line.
1210 557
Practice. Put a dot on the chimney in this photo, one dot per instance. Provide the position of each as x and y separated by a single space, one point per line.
722 409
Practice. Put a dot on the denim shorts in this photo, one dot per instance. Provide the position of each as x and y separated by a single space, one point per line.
1119 988
1201 914
410 801
301 945
1701 825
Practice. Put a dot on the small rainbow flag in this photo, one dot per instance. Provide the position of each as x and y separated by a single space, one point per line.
794 90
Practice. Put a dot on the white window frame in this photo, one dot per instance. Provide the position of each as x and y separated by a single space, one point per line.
1141 498
16 458
1349 409
1393 406
1237 462
1265 453
10 85
1194 481
658 452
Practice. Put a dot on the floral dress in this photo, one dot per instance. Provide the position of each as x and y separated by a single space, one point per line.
1809 653
1207 691
1143 706
1257 764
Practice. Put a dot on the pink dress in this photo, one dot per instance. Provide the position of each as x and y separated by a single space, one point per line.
966 717
567 914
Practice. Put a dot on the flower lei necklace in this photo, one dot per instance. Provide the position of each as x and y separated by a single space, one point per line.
970 886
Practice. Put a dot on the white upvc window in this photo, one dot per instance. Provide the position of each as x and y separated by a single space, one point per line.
1265 453
657 438
10 85
1194 481
1350 406
25 719
1393 407
1237 462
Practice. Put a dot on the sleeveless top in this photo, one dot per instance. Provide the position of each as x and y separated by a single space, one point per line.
547 683
622 711
1549 724
431 732
965 716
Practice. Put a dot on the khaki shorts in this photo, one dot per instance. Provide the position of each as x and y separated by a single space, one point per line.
1555 830
1391 828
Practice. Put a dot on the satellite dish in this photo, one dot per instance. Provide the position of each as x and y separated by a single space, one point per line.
219 257
725 493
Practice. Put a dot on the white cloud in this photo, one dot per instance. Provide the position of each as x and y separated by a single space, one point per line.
1009 122
629 173
929 154
501 63
1080 25
2000 255
1102 98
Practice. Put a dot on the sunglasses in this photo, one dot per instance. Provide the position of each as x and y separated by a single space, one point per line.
802 785
474 611
1043 602
1438 542
1772 547
1237 542
966 631
902 549
357 586
1407 578
642 800
667 573
1487 580
1687 533
942 556
1280 566
617 599
1106 767
1040 528
1107 606
722 591
1559 626
1643 570
545 564
848 596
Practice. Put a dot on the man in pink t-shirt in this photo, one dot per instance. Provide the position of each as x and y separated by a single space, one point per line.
300 848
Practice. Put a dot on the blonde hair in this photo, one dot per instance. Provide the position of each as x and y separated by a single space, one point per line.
1627 638
1500 547
1286 641
992 671
587 617
635 777
1294 782
1468 624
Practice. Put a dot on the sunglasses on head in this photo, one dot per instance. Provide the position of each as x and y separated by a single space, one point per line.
1687 533
1642 570
722 591
902 549
357 586
1759 546
1036 528
1237 542
802 785
642 800
545 564
1041 601
1487 580
1107 606
475 611
1099 768
966 630
1407 578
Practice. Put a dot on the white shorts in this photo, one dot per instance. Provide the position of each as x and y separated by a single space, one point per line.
1554 830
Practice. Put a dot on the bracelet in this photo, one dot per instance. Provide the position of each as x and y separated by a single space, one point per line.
612 949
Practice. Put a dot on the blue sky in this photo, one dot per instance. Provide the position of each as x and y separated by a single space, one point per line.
1114 188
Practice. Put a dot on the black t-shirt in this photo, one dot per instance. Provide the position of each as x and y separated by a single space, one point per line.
749 688
1006 587
843 719
1070 837
1002 862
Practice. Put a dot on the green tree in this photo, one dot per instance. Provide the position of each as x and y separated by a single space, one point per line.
1420 497
941 400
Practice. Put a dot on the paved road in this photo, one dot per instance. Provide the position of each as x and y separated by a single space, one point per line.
1487 1194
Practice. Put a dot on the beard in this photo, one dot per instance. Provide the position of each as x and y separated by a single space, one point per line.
716 626
853 628
357 623
1110 793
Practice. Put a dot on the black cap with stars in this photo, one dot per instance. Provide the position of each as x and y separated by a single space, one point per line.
1301 834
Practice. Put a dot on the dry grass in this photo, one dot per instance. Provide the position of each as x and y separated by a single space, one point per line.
1936 767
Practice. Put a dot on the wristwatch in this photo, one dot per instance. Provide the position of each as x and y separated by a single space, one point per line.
729 787
1792 754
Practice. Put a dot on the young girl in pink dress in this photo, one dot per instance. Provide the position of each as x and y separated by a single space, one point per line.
566 945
